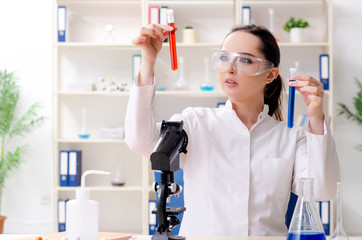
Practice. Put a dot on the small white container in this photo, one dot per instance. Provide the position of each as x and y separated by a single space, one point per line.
82 213
188 35
297 35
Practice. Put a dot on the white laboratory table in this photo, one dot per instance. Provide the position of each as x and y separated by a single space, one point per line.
143 237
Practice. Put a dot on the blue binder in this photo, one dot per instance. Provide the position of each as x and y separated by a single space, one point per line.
62 22
324 70
175 202
63 168
152 220
75 167
61 215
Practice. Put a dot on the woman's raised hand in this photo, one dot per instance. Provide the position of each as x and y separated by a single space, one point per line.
150 40
312 92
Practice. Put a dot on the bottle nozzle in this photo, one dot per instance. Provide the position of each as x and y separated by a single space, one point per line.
86 173
82 192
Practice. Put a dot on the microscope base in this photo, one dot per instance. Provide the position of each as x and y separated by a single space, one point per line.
166 236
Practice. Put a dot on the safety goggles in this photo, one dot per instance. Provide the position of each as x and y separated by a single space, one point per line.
243 64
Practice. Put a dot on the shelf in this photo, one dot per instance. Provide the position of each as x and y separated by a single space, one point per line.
196 2
99 1
195 45
100 189
158 93
94 45
190 94
125 46
90 141
281 1
94 93
188 2
129 45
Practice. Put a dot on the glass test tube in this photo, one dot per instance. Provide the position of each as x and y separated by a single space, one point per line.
172 39
291 101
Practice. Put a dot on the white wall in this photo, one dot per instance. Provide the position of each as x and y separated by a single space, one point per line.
348 66
25 47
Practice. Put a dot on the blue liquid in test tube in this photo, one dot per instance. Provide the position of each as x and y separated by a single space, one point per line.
291 101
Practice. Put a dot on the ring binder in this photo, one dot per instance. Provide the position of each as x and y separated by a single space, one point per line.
62 21
75 159
324 70
63 168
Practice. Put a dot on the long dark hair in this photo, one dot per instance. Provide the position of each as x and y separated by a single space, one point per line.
270 49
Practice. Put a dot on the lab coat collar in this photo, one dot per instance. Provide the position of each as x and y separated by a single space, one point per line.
229 108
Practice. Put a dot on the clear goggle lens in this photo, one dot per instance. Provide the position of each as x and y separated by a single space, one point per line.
241 63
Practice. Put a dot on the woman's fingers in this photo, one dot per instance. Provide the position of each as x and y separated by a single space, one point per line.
148 31
304 80
138 40
155 30
312 90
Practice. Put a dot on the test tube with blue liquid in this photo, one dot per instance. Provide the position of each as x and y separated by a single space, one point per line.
291 102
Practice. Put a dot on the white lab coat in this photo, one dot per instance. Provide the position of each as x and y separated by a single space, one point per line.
237 182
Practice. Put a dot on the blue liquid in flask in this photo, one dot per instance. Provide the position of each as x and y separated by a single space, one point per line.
207 88
306 236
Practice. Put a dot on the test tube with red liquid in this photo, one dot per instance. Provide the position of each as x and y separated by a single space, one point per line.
172 39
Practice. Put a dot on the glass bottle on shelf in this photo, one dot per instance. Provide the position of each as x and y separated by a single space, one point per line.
181 84
109 28
339 233
83 133
271 22
207 84
306 223
118 178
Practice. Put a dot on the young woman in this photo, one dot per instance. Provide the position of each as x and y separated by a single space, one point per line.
242 160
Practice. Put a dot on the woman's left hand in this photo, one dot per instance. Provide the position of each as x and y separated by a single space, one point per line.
312 92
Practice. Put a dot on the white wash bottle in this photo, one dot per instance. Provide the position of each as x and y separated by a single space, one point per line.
82 213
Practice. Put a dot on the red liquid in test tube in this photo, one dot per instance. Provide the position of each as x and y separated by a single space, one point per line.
172 39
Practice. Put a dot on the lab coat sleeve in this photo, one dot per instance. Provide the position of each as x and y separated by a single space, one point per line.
324 163
318 159
141 131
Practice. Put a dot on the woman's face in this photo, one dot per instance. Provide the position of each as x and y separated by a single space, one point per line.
236 86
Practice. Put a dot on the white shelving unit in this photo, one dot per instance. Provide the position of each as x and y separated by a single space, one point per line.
86 56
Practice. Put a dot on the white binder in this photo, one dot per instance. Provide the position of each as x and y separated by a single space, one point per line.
245 15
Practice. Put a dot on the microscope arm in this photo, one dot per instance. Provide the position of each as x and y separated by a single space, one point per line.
166 158
162 195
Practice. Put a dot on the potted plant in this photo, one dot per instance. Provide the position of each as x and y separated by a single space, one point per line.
355 117
11 126
296 29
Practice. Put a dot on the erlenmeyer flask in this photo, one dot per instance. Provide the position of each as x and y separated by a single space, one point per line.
339 233
306 223
181 84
